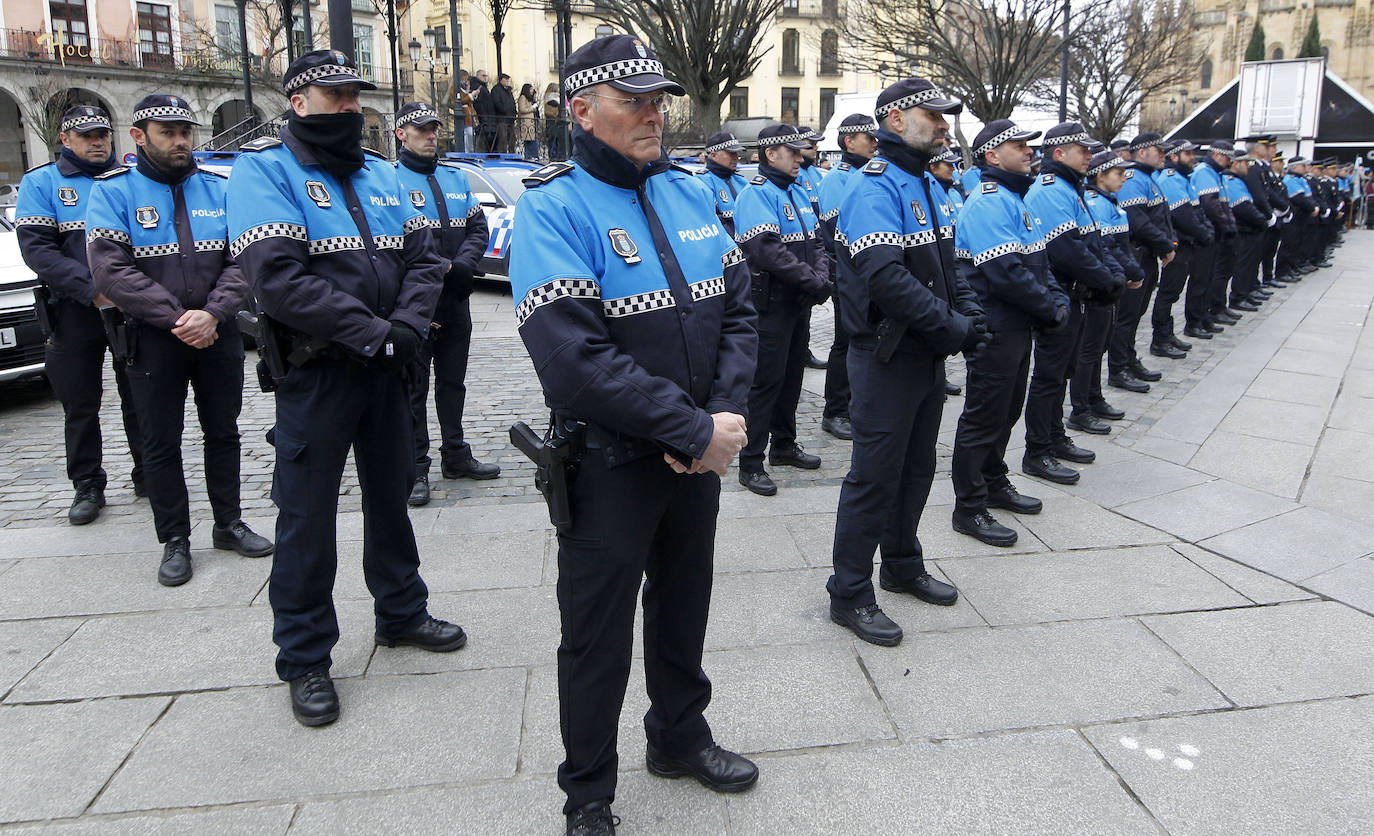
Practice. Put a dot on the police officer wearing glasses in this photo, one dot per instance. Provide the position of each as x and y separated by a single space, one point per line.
634 306
349 275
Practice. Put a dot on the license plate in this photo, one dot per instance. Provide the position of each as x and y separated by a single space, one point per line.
8 339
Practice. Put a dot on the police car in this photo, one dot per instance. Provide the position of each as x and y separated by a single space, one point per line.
495 179
21 340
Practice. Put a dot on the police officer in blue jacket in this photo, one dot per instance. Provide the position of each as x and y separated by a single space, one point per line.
157 246
897 281
1252 223
634 306
778 231
1073 244
1195 237
1199 314
1291 265
459 230
857 147
810 174
349 275
1002 245
944 167
722 160
50 225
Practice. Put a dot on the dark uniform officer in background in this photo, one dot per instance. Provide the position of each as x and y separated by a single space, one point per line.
1291 266
1266 189
722 160
50 221
1212 174
857 147
778 231
156 240
459 230
1002 245
896 275
1193 233
350 277
634 306
1199 316
1121 148
1251 224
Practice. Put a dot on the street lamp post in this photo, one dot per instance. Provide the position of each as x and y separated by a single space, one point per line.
434 57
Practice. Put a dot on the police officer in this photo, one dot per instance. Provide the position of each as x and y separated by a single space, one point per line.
50 221
1073 245
857 147
810 175
459 230
1270 197
350 277
722 160
634 306
1121 148
897 276
1201 315
779 233
944 167
1251 224
1194 235
1211 174
156 241
1290 263
1002 245
1153 241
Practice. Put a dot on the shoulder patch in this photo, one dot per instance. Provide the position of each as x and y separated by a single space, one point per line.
540 176
1046 179
114 172
262 143
448 163
682 168
758 180
374 153
875 166
843 166
1130 172
989 187
207 172
40 165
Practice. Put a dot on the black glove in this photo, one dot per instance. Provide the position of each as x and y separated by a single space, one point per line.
816 287
977 336
400 349
1061 318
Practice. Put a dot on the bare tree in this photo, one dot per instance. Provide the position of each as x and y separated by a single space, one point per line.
48 96
497 10
1132 51
707 46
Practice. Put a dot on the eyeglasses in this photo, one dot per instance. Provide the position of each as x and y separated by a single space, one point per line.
663 102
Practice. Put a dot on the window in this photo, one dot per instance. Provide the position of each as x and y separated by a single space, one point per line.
830 9
298 36
69 29
739 103
1207 73
827 105
791 100
155 34
830 52
604 31
791 48
362 47
791 8
440 37
1277 54
227 31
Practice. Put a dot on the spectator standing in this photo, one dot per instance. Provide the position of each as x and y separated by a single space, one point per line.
526 117
467 140
504 102
486 112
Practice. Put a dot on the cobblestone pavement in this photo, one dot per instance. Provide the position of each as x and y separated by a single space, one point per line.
1181 643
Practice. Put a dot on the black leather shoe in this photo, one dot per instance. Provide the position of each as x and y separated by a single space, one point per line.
758 482
314 700
952 389
1179 344
419 492
175 569
985 527
715 768
469 468
1088 423
1212 328
86 505
1048 467
1226 317
238 537
869 623
1068 451
838 426
1167 350
1122 380
1197 332
923 586
1273 284
1012 500
431 634
1244 305
793 456
594 819
1106 411
1139 372
814 362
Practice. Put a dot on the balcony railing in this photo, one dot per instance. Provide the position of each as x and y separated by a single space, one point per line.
789 66
821 9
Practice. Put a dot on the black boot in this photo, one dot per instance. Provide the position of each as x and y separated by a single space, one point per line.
419 492
314 701
90 498
175 569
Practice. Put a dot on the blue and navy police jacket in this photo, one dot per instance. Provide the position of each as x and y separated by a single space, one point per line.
158 250
443 194
1148 210
777 228
1185 213
50 225
896 236
1072 240
1115 229
1206 183
970 180
632 301
956 197
725 186
834 188
811 176
1249 219
332 259
1003 245
1299 196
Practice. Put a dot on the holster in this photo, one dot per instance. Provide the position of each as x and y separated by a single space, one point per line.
890 333
556 459
121 334
271 366
760 286
44 307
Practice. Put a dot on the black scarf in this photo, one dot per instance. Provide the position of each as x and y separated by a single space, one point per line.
777 177
336 140
87 168
854 160
1058 169
165 176
719 170
908 159
417 163
609 165
1019 183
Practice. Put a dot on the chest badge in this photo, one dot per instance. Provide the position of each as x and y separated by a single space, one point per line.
1025 216
724 196
146 216
316 191
624 246
67 195
788 213
919 211
417 197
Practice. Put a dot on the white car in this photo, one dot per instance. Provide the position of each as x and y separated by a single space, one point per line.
21 340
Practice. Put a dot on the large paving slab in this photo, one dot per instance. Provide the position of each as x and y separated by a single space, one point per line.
269 820
1282 653
1277 467
749 545
57 757
1286 769
1352 584
1294 387
1347 453
452 563
1068 522
1276 420
101 537
1296 545
1205 510
1048 782
939 685
1110 485
1087 584
505 627
24 644
393 732
1253 584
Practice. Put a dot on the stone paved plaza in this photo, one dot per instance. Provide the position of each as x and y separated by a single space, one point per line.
1181 643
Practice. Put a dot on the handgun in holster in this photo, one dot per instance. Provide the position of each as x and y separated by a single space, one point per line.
890 333
556 458
44 307
122 335
271 366
760 285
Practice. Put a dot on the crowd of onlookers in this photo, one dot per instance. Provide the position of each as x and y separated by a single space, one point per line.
496 119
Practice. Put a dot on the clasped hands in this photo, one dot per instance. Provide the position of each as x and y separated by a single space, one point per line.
727 439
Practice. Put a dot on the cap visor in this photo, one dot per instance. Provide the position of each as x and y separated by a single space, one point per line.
647 83
173 121
85 129
800 146
1024 136
338 81
943 105
426 120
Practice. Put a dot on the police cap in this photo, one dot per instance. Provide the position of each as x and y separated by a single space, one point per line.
1149 139
418 114
1223 147
83 118
1261 139
622 61
1067 133
323 67
1118 144
811 135
914 92
1299 160
949 155
997 132
1179 145
1104 160
722 141
857 123
783 134
160 107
